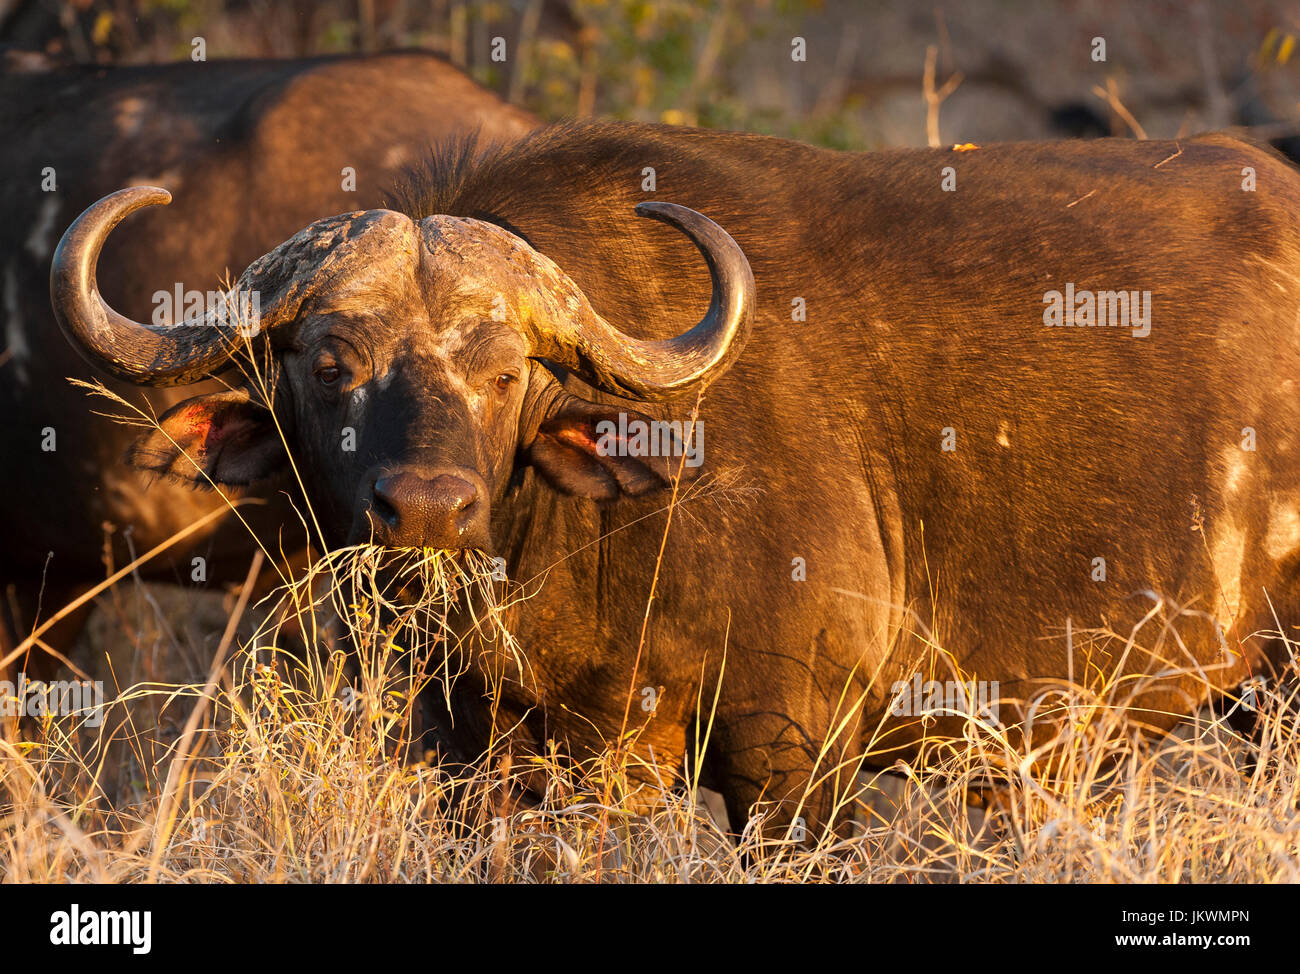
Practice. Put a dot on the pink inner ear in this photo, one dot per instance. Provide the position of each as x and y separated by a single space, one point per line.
207 427
197 422
577 435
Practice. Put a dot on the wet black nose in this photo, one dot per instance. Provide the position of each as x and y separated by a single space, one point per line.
439 512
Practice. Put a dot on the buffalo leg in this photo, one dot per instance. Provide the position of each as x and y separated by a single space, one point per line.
770 763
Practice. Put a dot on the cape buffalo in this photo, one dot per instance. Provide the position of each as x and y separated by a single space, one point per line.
255 150
947 444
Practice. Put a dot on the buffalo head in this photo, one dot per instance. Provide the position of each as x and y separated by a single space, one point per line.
424 343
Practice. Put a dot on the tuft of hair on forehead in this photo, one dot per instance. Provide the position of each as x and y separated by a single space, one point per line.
470 175
434 185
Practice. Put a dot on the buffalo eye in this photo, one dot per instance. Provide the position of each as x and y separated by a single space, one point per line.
328 374
504 381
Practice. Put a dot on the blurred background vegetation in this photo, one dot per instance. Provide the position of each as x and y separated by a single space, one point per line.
994 69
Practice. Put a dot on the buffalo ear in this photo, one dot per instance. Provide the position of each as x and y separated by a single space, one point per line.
586 451
223 438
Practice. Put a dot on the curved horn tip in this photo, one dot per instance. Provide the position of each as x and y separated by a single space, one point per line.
156 192
663 210
99 218
707 235
141 196
159 191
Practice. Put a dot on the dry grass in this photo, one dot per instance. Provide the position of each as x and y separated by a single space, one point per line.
298 770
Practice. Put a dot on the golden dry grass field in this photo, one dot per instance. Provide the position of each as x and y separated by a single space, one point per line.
223 759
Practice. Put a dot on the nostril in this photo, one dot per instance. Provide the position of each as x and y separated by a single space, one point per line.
383 506
384 510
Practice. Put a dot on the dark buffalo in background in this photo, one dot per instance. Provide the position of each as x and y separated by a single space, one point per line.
835 538
252 150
